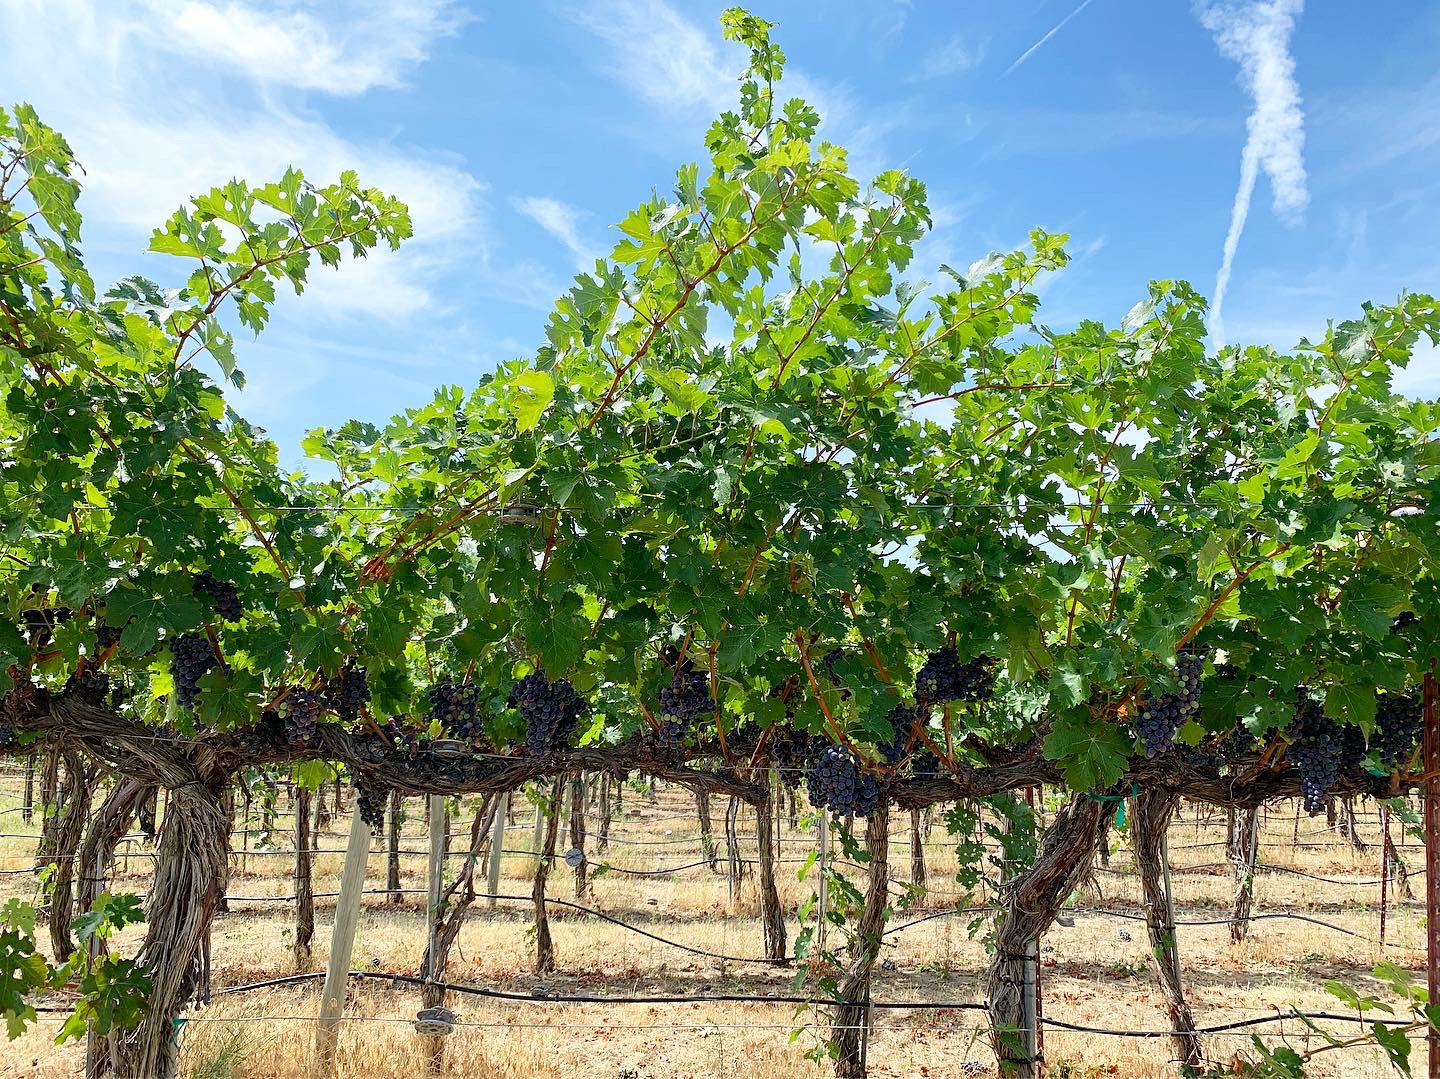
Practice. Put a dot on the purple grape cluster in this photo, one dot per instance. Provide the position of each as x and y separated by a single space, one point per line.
90 687
191 658
1317 748
790 752
1399 721
550 710
687 697
370 803
925 765
107 637
402 738
40 623
348 692
836 780
944 678
303 708
8 738
670 735
456 707
1158 718
223 596
902 719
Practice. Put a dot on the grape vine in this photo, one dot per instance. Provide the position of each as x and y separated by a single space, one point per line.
222 595
191 658
1157 719
1399 721
945 678
549 708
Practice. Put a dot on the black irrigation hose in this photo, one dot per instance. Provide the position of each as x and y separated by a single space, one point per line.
1253 918
581 998
743 998
1128 916
1217 1028
1259 867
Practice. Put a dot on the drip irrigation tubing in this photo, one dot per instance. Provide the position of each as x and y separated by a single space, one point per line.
548 997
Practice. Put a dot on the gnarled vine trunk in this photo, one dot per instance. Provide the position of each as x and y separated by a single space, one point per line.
734 865
1031 901
393 823
179 910
1151 811
74 791
544 945
602 840
49 805
772 915
707 829
304 888
455 902
849 1032
107 827
917 850
1242 849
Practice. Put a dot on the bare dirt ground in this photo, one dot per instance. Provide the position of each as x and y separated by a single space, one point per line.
1095 972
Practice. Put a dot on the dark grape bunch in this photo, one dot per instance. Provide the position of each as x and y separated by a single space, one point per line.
790 751
348 692
370 803
836 780
456 707
549 709
1320 747
687 696
1158 718
8 738
223 595
945 678
40 623
402 738
91 687
669 735
191 658
303 708
902 722
107 637
1398 723
925 765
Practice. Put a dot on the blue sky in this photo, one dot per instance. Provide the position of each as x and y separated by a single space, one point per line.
519 132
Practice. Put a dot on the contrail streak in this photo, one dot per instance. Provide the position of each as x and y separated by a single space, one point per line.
1257 37
1033 49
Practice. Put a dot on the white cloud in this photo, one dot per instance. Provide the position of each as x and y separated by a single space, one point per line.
359 45
561 221
680 66
660 55
954 57
152 130
1256 36
1033 49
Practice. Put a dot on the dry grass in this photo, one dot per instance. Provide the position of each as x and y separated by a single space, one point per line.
1091 974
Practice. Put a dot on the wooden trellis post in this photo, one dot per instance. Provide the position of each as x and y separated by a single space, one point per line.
342 944
497 843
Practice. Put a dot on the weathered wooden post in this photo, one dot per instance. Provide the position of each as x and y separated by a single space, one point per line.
342 944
